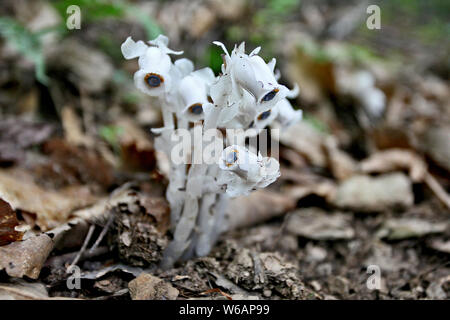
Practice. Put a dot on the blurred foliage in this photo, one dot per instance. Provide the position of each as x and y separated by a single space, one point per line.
25 42
265 25
213 58
111 135
316 123
427 21
94 10
122 79
29 44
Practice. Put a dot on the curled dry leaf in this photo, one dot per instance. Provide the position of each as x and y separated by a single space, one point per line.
306 140
51 208
70 164
404 228
259 206
21 290
439 245
73 131
8 222
18 289
341 164
325 189
316 224
25 258
436 143
365 193
393 160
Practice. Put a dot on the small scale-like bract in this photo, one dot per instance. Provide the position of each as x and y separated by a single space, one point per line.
246 95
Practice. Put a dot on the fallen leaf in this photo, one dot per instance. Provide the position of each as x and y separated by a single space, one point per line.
404 228
16 135
51 208
25 258
8 221
440 245
70 164
393 160
306 140
18 289
365 193
22 290
259 206
341 164
436 143
316 224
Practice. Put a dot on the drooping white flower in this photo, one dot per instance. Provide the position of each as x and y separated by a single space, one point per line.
253 74
265 118
194 92
246 95
155 73
244 171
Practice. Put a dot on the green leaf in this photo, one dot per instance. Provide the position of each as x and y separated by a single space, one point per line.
27 43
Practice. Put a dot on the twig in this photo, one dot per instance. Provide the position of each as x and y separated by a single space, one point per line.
83 248
218 291
437 189
103 233
58 261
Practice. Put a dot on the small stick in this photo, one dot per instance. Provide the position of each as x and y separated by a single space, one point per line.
103 233
437 189
58 261
83 248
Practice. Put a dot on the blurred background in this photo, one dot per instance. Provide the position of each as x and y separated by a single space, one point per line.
365 175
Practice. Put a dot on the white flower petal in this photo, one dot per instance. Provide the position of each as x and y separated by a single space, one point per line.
255 51
220 44
185 66
162 42
141 82
155 60
131 49
272 64
265 118
286 113
293 93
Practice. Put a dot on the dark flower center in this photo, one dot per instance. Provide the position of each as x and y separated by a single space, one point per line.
232 158
269 96
196 108
153 80
264 115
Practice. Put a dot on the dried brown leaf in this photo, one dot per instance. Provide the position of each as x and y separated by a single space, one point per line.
25 258
259 206
50 207
8 222
393 160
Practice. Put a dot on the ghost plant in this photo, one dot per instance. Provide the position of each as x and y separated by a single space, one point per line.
246 95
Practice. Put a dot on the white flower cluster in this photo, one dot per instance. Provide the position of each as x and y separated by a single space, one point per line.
245 95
